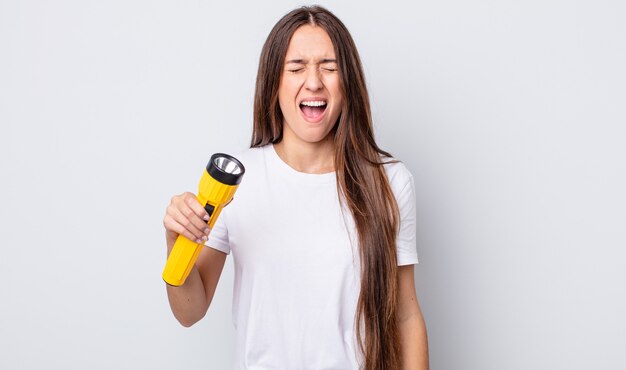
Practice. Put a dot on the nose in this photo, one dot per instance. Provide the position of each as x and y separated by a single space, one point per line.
313 81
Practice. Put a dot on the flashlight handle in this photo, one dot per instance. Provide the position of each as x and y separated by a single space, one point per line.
185 252
183 256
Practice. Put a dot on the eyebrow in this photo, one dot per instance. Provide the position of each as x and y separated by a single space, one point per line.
302 61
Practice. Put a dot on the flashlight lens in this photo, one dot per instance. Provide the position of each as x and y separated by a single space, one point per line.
227 165
225 169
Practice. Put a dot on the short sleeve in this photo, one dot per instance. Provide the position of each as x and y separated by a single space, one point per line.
406 242
218 238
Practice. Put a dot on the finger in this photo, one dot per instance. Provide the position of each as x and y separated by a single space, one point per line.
172 225
197 208
189 221
188 203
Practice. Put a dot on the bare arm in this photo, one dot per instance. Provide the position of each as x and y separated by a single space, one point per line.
190 301
411 323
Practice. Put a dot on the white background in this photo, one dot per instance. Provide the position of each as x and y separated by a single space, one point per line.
510 114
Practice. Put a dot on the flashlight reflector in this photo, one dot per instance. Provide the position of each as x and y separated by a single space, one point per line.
227 165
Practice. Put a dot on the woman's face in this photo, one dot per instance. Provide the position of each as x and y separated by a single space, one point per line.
310 94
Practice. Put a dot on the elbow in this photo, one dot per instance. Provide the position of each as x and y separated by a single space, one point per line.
188 321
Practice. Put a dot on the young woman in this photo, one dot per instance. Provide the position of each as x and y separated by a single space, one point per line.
322 230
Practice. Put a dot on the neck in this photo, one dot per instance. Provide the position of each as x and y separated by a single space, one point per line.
315 158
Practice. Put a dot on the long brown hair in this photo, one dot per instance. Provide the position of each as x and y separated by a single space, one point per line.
361 180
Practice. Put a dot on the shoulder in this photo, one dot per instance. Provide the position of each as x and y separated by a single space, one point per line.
398 174
250 153
250 157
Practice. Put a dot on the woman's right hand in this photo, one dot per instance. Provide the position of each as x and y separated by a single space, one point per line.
185 216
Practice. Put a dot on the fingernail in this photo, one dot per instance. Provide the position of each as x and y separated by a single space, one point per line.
198 241
207 231
205 238
206 217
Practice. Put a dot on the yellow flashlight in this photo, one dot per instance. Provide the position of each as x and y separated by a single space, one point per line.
217 186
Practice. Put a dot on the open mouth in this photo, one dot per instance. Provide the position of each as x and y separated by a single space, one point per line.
313 109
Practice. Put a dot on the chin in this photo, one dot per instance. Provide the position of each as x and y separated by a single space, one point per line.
312 139
316 137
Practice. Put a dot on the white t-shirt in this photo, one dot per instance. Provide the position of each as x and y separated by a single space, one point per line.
297 266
